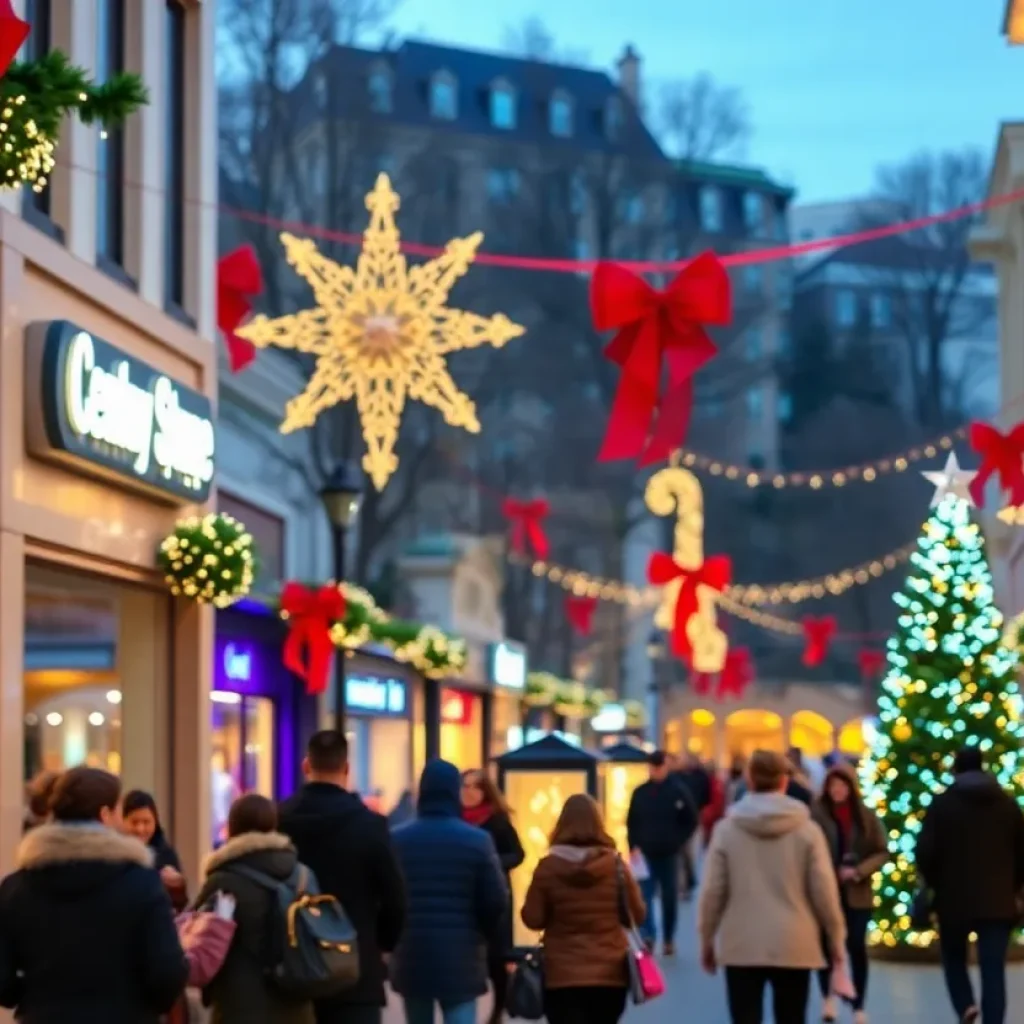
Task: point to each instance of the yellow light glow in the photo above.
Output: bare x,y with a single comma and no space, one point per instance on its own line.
619,782
1015,23
812,733
753,729
851,738
702,718
380,333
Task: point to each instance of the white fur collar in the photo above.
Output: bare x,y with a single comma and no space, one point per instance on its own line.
240,846
63,844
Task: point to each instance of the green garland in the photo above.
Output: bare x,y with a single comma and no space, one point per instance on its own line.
36,96
564,696
211,560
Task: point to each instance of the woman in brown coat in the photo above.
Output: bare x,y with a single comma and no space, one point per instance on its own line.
576,899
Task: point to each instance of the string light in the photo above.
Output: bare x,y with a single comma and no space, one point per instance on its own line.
27,153
211,560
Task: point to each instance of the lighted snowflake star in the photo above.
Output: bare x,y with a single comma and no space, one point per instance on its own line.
380,333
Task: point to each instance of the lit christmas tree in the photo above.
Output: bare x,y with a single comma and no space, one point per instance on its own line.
950,683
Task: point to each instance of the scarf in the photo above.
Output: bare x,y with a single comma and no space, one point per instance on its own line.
843,817
478,815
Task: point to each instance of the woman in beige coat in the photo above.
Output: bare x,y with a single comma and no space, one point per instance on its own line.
769,892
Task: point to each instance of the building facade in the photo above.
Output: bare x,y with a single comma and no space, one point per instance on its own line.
107,289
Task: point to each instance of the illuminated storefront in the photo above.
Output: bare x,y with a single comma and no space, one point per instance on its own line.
625,766
462,728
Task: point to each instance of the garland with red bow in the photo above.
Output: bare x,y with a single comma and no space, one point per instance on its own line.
580,613
526,522
239,282
1002,456
714,572
657,331
818,636
309,649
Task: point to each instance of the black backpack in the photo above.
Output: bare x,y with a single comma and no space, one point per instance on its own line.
314,948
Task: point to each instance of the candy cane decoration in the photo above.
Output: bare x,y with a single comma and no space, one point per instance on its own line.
677,490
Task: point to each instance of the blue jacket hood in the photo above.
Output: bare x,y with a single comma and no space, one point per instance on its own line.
440,791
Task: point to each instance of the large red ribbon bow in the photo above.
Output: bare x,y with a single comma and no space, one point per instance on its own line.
527,522
1001,454
656,327
714,572
580,613
870,661
239,281
308,648
13,32
818,634
737,673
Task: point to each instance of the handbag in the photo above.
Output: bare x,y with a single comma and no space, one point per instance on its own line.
525,996
645,978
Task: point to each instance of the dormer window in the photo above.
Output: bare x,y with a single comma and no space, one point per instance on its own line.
379,88
560,116
503,106
443,97
613,119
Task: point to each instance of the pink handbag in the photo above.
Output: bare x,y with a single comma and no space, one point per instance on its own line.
646,981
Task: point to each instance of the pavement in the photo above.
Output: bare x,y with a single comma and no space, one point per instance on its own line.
897,994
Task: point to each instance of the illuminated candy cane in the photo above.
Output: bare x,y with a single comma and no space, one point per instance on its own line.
677,490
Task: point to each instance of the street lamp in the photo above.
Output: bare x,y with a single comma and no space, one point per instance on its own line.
342,495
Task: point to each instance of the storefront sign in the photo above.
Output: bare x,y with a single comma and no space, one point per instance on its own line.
456,707
105,409
375,695
506,664
237,663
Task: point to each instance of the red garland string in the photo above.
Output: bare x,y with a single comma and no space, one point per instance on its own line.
526,520
870,661
580,613
818,636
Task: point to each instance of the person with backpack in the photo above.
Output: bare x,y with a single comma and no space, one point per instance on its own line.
242,991
348,847
458,902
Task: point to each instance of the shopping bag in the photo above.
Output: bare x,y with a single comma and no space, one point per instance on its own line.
645,977
638,865
525,996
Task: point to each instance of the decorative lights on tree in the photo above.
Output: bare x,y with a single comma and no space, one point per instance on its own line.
950,683
211,560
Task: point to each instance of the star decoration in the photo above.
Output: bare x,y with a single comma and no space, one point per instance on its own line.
951,480
380,332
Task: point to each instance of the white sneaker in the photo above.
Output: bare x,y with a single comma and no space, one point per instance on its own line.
829,1010
860,1017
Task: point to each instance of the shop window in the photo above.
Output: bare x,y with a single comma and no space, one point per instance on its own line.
174,152
268,532
503,106
110,154
380,751
462,729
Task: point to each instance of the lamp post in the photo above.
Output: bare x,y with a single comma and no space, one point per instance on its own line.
656,653
342,494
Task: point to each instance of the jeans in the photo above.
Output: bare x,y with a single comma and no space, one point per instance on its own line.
993,941
857,922
421,1011
594,1004
663,876
745,990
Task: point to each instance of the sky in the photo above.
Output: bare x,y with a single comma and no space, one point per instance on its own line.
835,87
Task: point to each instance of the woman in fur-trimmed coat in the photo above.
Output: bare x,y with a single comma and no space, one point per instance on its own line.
241,993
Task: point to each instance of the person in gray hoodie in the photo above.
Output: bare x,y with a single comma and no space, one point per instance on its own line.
769,892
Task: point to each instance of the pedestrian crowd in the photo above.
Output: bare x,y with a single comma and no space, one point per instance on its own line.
308,910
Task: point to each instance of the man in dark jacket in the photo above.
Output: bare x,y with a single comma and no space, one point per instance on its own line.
457,904
970,853
348,847
662,817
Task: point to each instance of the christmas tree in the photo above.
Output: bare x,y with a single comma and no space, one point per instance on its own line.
950,683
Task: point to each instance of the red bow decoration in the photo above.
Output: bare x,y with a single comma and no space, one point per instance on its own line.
13,32
655,328
870,661
737,673
580,613
715,572
1001,454
700,682
308,648
527,521
818,634
239,281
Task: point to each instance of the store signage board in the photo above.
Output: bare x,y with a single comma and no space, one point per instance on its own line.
236,663
375,695
116,416
506,665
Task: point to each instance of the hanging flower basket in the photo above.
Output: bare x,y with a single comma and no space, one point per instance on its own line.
211,560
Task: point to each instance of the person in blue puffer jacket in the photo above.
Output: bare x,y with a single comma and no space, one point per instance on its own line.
457,904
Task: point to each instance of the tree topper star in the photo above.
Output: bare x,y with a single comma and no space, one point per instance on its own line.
380,333
950,480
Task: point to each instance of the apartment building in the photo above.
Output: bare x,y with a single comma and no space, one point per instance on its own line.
108,288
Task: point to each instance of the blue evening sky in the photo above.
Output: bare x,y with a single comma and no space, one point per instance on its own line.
835,87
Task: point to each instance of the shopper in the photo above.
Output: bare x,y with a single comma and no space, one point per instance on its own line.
970,852
87,933
138,809
576,898
660,822
37,794
769,892
713,813
457,904
348,848
484,805
242,992
857,842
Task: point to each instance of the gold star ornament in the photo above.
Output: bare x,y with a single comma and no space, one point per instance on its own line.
380,333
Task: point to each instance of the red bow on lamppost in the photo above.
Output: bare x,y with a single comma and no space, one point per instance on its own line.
714,572
527,521
818,634
737,673
239,282
656,329
580,613
1002,455
870,661
13,32
308,648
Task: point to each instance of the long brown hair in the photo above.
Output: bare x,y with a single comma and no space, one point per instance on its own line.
849,776
581,824
493,797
